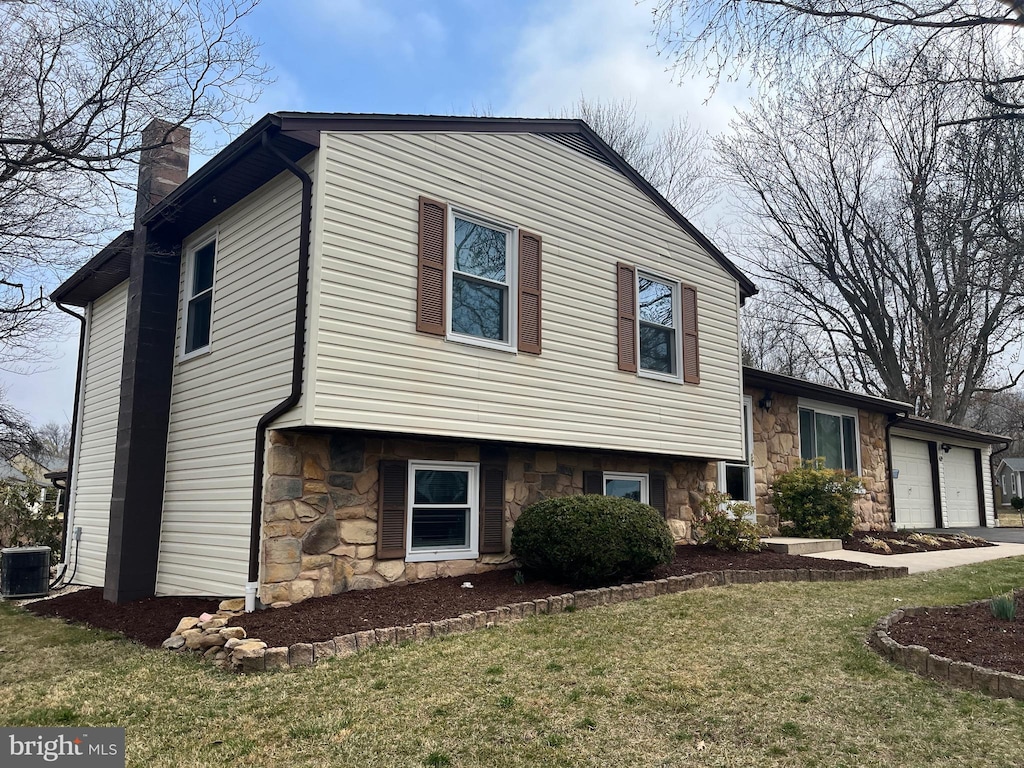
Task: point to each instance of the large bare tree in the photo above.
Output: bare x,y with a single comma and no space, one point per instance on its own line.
79,80
890,229
779,39
677,160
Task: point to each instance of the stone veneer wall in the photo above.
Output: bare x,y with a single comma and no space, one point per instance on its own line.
776,434
320,506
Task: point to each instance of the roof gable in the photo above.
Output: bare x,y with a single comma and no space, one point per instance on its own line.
263,151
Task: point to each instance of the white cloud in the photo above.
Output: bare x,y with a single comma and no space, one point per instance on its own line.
399,29
604,49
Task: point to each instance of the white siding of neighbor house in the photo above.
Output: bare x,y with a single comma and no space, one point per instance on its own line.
97,433
218,398
374,371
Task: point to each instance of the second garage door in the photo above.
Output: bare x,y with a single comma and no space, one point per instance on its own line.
960,484
912,483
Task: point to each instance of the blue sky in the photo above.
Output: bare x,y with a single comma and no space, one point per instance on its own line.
503,57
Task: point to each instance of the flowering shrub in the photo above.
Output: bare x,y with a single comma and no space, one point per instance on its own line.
815,501
722,523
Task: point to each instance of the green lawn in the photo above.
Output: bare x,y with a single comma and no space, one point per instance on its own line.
758,675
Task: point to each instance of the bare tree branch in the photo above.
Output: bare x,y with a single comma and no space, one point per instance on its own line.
889,232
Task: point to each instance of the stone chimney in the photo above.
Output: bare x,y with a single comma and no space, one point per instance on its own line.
163,169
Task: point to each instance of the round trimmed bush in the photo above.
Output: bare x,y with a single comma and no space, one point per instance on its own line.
591,539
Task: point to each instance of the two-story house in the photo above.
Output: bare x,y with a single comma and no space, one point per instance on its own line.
351,348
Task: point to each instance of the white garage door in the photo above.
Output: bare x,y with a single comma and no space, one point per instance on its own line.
960,482
915,499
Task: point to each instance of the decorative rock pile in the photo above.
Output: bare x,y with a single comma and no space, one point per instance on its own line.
209,634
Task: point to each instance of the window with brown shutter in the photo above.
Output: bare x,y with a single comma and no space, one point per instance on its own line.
593,482
626,277
691,345
529,293
391,503
479,279
430,285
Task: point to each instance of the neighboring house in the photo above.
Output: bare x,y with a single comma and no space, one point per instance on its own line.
916,473
22,468
349,350
1009,480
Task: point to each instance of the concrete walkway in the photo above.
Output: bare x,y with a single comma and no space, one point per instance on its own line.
919,562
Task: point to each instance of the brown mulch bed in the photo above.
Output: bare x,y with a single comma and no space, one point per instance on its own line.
150,621
967,633
900,542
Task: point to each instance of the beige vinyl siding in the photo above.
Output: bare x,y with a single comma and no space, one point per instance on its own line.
94,458
217,398
375,371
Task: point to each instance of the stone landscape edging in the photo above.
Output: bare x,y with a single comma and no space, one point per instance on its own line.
920,660
225,648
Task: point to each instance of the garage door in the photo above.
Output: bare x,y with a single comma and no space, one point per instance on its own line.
960,482
912,484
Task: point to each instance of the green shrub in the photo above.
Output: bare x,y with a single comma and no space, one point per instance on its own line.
818,502
1004,607
722,523
591,539
1017,503
26,520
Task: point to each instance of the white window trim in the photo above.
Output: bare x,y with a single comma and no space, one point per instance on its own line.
748,447
677,326
511,271
187,297
832,410
473,500
645,483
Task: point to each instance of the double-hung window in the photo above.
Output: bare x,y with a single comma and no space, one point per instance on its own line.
829,433
658,315
478,280
657,326
199,296
482,266
444,509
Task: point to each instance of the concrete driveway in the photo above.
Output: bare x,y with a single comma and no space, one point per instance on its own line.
1008,535
919,562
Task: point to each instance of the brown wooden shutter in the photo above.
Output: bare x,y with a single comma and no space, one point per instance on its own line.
593,482
657,491
626,276
492,508
529,293
391,511
433,243
691,344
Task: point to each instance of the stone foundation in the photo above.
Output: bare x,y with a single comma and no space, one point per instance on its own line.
320,506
